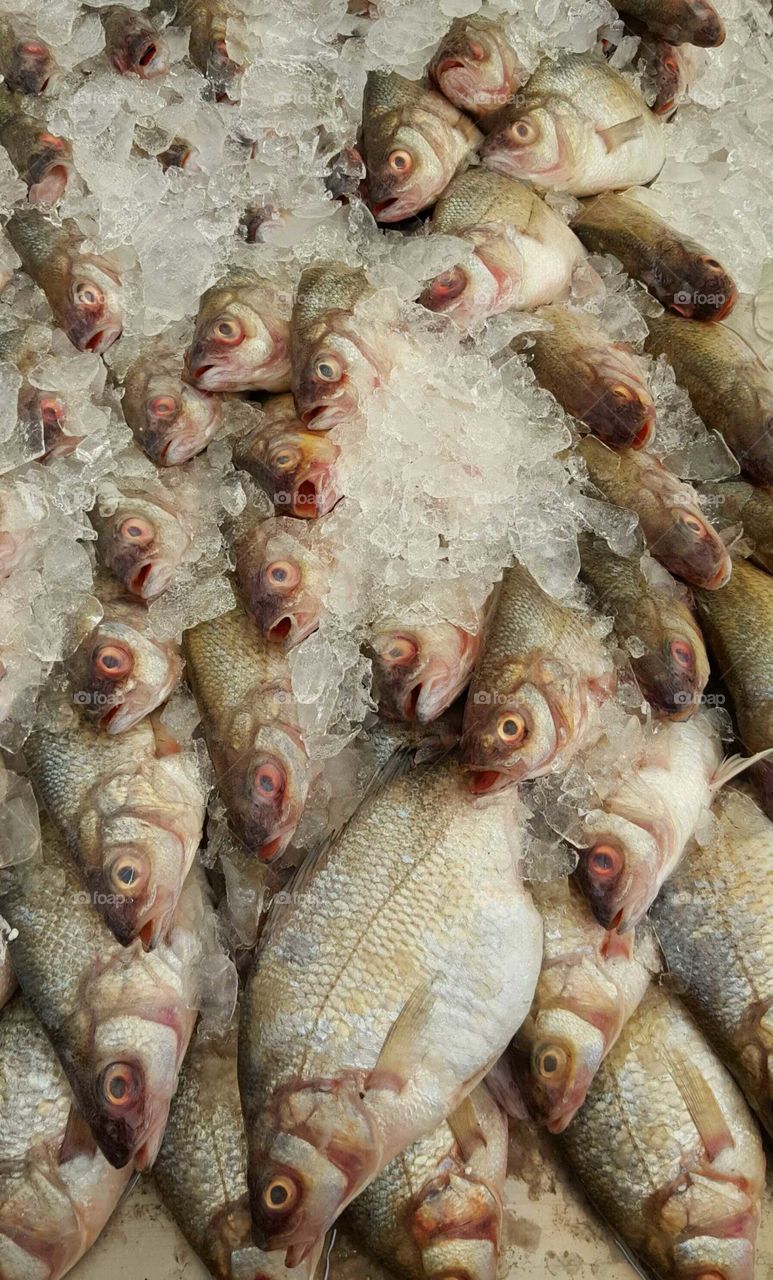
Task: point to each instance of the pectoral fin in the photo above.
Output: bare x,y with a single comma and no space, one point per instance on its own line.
617,134
700,1101
405,1040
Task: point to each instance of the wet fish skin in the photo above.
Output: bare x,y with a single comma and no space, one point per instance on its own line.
133,44
532,697
729,386
42,159
591,983
56,1189
334,364
242,686
132,815
674,527
738,625
297,467
577,126
679,272
525,255
636,837
419,670
201,1169
7,975
241,339
414,141
752,508
82,289
142,541
171,420
666,1149
594,378
335,1080
436,1210
26,62
678,21
674,669
284,578
118,1017
475,67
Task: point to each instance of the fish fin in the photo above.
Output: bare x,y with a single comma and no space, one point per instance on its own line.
617,134
403,1039
501,1084
731,766
78,1139
463,1123
701,1102
618,946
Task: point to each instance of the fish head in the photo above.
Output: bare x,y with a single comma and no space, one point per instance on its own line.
531,144
474,67
142,543
91,311
409,163
558,1053
468,293
30,66
137,887
136,48
300,468
49,165
223,72
45,413
455,1223
691,549
519,727
674,675
706,27
283,586
120,674
607,389
240,342
689,282
171,420
618,871
273,783
332,381
420,671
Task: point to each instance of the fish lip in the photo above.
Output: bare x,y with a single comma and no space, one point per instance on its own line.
147,68
720,578
103,338
150,579
486,782
51,187
323,417
307,507
394,207
178,450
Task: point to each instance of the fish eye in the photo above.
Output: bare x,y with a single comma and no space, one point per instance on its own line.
33,49
476,51
269,781
281,1195
51,140
137,532
329,369
712,264
623,392
605,861
512,729
283,575
112,661
398,651
52,409
127,873
286,459
525,132
683,654
671,64
400,162
88,295
228,331
693,523
163,406
121,1085
551,1062
449,284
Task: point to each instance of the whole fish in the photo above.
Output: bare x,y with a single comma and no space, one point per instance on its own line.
121,671
284,576
678,271
210,47
57,1191
675,529
678,21
594,378
242,686
730,388
719,902
42,414
591,983
26,62
524,254
533,694
738,625
42,159
420,669
82,289
666,1149
241,340
201,1169
133,44
578,126
141,539
436,1210
426,950
296,467
132,810
752,508
475,67
414,141
170,420
654,624
118,1017
334,363
634,840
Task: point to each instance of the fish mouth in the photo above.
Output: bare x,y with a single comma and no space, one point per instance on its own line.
324,416
150,579
291,628
179,450
112,721
51,187
306,501
273,848
394,209
485,782
152,60
102,339
721,576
